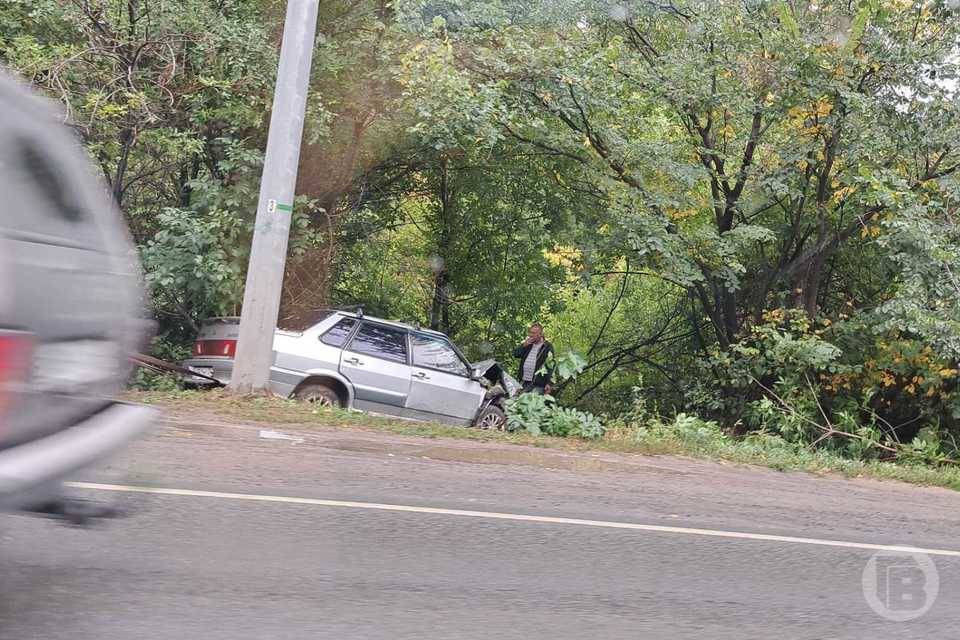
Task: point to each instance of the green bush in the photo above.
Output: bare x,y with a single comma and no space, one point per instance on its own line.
148,380
528,412
539,415
689,433
852,387
565,422
143,379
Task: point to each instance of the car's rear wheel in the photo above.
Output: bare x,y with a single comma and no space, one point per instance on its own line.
318,394
492,418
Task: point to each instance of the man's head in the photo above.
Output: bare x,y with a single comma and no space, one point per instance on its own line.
535,333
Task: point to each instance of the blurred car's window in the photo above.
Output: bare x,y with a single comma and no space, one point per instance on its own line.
380,341
48,181
437,353
337,335
44,196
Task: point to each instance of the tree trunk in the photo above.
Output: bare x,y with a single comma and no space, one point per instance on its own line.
731,320
806,290
127,138
440,307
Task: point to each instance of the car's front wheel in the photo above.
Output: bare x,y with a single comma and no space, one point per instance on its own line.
319,394
492,418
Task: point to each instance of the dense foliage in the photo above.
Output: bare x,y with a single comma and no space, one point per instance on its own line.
744,210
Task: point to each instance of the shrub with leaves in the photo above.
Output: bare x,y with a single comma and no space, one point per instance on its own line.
852,386
563,422
565,367
779,357
688,432
539,415
528,412
143,379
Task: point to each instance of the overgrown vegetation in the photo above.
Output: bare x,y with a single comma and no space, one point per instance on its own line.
746,210
539,414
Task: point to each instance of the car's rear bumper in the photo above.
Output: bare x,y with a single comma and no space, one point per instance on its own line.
31,473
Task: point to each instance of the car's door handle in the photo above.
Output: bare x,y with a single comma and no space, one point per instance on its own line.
354,361
420,375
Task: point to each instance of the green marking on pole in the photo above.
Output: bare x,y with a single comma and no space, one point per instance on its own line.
285,207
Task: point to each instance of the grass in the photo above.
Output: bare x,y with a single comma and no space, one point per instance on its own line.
272,410
686,436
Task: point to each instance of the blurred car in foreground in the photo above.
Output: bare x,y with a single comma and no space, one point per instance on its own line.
349,360
69,297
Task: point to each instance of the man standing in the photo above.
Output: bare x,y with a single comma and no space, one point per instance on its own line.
533,354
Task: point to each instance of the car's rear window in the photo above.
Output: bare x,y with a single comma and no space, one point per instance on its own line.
220,329
337,335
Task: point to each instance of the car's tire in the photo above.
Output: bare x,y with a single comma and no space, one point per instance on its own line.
319,394
491,418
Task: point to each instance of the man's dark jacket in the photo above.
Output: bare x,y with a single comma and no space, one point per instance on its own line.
539,379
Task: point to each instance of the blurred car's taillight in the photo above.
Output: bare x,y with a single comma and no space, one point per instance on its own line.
15,354
215,348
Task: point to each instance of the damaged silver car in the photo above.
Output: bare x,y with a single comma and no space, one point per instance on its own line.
354,361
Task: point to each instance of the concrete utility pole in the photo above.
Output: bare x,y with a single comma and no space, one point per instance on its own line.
268,254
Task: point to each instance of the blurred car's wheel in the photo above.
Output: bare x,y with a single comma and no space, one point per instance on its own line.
319,394
492,418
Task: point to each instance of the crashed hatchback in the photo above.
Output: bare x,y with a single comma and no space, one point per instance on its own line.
354,361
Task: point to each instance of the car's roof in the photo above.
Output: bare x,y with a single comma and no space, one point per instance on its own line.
392,323
340,312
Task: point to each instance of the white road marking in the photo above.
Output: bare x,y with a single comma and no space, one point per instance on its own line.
516,517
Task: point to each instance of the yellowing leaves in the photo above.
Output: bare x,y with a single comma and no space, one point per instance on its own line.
807,119
822,108
819,109
870,231
680,214
843,193
564,256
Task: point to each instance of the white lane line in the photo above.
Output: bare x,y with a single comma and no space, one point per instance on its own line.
517,517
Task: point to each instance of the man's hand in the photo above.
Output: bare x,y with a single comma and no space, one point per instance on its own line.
548,390
527,342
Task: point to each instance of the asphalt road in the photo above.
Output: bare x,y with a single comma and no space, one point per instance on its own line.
210,565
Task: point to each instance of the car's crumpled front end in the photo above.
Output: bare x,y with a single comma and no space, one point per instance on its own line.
495,378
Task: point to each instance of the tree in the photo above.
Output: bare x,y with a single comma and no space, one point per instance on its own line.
460,237
169,100
742,147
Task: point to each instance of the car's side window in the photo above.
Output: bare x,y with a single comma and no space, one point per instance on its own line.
48,181
381,341
336,336
44,198
436,353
